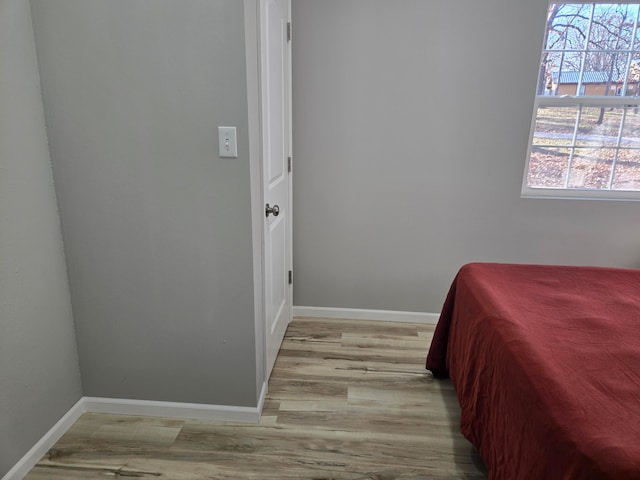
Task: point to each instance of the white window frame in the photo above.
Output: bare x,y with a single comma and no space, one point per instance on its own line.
577,101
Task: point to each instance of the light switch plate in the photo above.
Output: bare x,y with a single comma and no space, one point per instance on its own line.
228,144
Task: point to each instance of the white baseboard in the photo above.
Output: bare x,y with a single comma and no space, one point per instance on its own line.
144,408
33,456
182,411
359,314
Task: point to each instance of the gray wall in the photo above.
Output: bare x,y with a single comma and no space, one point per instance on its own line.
411,121
39,377
157,228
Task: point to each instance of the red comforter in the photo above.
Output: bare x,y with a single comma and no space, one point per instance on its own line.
546,364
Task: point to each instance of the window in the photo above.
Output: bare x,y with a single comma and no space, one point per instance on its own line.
585,134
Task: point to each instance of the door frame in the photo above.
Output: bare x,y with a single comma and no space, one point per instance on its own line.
254,102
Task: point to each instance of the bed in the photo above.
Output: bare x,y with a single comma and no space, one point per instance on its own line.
545,361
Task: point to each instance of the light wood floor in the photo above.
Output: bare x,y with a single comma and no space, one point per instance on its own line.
347,400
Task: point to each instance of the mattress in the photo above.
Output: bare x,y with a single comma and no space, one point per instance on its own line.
545,361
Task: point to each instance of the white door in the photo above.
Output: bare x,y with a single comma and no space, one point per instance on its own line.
276,147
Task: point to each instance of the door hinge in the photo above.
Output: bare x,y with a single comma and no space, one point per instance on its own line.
288,31
290,277
289,164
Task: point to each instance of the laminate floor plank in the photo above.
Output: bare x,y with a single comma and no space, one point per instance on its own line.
348,400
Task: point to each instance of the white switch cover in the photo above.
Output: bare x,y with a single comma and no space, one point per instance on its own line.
228,144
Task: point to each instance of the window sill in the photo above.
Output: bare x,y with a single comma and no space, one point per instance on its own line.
580,194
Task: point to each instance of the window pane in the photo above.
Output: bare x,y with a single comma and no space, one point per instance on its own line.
636,14
631,128
567,26
612,27
599,126
603,73
555,126
591,168
562,72
548,167
633,81
627,172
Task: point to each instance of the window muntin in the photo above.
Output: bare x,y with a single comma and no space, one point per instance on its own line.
585,134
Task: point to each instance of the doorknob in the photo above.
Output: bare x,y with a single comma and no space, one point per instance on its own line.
275,210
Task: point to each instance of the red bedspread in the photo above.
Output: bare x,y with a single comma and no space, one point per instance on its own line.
546,364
